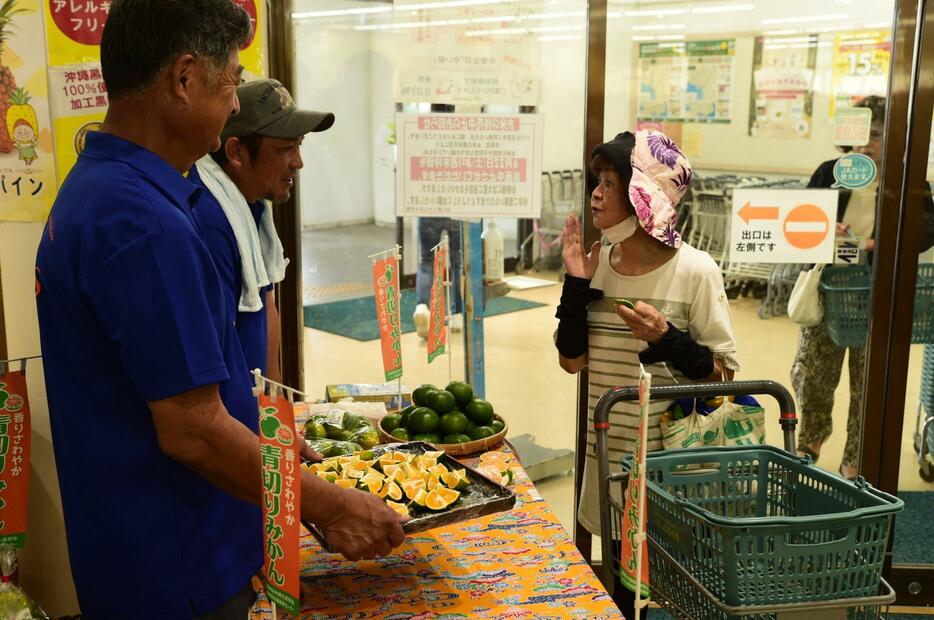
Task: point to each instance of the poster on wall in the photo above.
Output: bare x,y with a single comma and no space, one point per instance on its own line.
78,94
860,66
686,82
469,165
27,165
467,60
782,100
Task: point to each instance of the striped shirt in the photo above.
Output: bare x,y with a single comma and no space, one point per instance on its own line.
688,290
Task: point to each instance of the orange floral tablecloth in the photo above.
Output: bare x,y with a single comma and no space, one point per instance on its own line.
516,564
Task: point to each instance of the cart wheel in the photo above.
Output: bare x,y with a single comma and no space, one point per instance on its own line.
926,472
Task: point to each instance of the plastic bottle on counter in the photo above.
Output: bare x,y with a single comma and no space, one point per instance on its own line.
493,260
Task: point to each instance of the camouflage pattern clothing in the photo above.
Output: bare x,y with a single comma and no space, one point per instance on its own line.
815,375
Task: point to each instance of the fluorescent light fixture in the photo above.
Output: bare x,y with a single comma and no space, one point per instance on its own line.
644,38
670,37
341,12
791,40
564,37
538,30
659,27
803,19
675,45
410,25
778,33
655,12
723,8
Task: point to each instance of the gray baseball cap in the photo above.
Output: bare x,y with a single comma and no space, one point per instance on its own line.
267,109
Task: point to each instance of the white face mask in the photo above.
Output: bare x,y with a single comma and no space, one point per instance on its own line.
621,231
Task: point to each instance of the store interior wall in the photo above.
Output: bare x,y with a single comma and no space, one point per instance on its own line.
44,571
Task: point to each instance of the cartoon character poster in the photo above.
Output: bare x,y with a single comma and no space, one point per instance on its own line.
27,164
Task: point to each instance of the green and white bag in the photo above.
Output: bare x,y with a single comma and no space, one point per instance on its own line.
729,425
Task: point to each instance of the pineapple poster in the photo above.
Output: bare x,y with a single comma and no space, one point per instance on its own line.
27,165
79,96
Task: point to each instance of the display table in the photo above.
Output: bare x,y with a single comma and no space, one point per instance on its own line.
516,564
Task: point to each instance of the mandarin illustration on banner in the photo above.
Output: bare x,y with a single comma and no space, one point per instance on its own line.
27,168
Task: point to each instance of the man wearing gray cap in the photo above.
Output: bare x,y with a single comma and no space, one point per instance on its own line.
255,166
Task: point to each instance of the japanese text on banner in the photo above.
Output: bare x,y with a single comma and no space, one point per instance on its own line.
15,437
281,500
437,331
386,287
633,572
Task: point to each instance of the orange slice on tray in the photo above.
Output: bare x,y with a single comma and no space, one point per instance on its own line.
402,509
346,483
456,479
391,490
441,498
412,487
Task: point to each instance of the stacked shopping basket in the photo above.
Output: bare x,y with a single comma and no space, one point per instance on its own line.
752,533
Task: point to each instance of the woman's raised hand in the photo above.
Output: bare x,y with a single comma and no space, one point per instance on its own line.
577,262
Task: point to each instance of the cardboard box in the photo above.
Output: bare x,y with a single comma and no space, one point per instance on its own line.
387,393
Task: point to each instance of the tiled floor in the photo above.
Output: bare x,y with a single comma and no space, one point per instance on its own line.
525,383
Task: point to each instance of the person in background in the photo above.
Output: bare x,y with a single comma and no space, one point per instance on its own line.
256,165
679,326
818,361
429,235
153,418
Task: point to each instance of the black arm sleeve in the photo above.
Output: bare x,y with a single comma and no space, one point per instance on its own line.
927,220
677,348
571,339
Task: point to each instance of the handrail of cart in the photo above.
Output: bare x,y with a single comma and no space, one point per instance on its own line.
601,417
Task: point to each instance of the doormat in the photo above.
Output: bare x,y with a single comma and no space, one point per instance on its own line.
914,529
356,318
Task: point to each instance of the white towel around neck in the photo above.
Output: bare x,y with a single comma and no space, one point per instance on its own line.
262,259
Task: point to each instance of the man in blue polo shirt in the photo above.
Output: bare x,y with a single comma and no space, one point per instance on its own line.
259,158
153,420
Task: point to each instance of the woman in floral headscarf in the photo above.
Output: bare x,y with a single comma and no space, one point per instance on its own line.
679,327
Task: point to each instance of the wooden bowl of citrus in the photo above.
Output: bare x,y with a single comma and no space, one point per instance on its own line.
451,419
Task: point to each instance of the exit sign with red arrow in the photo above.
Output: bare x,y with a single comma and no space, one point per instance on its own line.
783,226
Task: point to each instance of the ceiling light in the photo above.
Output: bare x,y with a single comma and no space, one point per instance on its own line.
670,37
723,8
802,19
660,27
565,37
341,12
655,12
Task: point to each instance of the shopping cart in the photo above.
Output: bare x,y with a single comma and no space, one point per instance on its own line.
924,425
750,532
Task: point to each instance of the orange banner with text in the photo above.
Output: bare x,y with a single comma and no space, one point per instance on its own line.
15,435
279,453
386,287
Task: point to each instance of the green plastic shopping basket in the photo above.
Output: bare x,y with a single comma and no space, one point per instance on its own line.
759,526
845,296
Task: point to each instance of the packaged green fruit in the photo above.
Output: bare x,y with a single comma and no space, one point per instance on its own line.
314,429
453,423
423,420
339,434
367,437
354,422
480,411
481,432
419,394
441,401
401,434
462,392
345,448
427,437
497,425
391,422
456,438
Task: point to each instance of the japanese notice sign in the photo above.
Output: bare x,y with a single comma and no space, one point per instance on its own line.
634,552
854,171
15,436
783,226
852,126
471,61
386,286
78,94
686,82
279,455
782,98
437,330
469,165
860,66
27,168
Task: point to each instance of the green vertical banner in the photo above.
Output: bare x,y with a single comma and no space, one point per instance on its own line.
386,287
281,500
15,436
437,330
